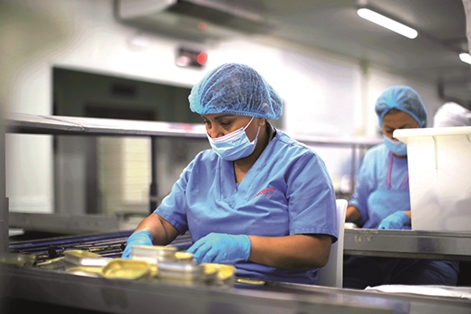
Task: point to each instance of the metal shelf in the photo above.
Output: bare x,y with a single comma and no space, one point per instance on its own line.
408,244
64,125
61,125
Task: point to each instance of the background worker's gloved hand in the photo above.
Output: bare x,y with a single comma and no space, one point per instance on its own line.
141,237
396,221
218,247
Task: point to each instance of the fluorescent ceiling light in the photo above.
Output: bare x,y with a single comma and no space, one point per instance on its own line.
388,23
465,57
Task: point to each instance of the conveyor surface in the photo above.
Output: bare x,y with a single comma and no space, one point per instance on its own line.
120,296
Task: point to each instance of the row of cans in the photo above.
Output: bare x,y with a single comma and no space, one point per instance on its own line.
154,263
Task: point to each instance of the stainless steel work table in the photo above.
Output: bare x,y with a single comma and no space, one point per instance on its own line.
439,245
122,296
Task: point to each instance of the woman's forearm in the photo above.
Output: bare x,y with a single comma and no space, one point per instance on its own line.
291,252
353,215
162,231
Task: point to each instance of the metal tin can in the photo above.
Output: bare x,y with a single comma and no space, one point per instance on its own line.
210,275
55,263
154,254
85,271
84,258
126,269
18,259
225,273
184,257
181,273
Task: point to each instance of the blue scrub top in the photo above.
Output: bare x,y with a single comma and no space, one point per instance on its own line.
374,197
287,191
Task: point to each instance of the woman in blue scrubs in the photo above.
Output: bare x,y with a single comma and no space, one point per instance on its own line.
257,199
382,200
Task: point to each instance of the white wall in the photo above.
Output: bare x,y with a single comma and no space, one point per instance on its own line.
324,95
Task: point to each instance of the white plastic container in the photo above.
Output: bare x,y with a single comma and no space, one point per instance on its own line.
439,162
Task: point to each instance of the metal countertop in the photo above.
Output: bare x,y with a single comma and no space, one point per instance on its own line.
438,245
122,296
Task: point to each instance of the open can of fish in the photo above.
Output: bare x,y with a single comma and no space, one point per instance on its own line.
184,257
128,269
84,258
18,259
85,271
55,263
225,274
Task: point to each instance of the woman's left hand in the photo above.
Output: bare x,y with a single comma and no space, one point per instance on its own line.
395,221
218,247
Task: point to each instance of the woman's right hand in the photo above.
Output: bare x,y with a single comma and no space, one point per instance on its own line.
138,238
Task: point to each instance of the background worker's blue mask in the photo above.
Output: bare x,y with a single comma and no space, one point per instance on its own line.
398,148
235,145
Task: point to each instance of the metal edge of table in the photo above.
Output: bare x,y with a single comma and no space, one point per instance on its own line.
121,296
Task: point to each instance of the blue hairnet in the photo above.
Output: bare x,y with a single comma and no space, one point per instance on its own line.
235,89
402,98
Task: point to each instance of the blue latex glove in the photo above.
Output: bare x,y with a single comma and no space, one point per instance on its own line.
141,237
218,247
395,221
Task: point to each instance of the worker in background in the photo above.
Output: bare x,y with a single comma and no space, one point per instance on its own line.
382,200
258,199
451,114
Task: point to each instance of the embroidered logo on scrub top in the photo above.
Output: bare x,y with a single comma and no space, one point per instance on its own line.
265,191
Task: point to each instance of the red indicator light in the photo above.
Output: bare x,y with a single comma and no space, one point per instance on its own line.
202,25
202,58
191,58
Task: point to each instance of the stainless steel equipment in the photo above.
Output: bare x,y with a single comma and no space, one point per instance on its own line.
123,296
59,288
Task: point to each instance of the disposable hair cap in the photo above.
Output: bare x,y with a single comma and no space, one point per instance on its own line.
452,114
235,89
402,98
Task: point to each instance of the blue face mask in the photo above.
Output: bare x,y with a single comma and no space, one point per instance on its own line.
235,145
398,148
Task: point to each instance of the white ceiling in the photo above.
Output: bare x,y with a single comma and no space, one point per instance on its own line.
334,26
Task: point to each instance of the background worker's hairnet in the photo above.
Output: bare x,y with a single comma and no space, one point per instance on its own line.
402,98
235,89
452,114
